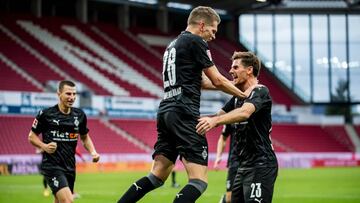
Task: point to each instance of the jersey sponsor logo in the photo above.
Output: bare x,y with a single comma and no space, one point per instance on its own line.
56,121
258,200
35,123
172,93
64,136
209,54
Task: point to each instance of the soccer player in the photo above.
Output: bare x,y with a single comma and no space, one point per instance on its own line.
60,126
187,66
255,178
232,163
174,184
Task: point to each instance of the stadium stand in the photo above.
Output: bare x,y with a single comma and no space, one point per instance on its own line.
14,131
24,59
307,138
144,130
107,141
140,50
11,78
14,128
357,128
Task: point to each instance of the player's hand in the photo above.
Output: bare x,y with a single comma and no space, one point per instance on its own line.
216,163
205,124
95,157
50,147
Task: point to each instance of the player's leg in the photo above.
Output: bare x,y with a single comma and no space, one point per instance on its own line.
64,195
229,184
193,150
197,184
163,163
46,192
237,193
174,184
160,170
259,185
61,186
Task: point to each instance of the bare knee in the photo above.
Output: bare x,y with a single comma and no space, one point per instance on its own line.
64,200
64,195
196,171
162,167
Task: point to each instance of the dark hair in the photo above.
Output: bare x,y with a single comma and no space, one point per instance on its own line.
248,59
207,14
65,82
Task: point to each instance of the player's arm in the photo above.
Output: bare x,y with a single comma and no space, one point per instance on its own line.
223,84
237,115
36,142
220,145
219,150
77,152
206,83
89,146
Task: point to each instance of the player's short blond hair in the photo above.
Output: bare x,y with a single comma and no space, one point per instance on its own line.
207,14
248,59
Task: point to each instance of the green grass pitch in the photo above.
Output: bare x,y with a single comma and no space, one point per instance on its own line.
330,185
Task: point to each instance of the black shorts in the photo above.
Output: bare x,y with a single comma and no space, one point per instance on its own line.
177,136
255,185
58,179
230,178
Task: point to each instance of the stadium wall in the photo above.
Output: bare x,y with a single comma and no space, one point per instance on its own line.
29,164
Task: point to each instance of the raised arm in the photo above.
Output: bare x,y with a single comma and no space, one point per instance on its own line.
223,84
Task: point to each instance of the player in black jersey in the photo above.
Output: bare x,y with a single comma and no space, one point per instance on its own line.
187,66
60,126
257,172
232,163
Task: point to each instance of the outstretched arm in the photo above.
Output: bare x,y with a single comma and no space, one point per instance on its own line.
223,84
237,115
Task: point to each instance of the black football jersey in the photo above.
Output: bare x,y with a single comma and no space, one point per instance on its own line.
183,62
254,148
64,129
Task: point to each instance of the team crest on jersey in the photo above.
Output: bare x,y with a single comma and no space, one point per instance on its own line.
56,182
35,123
204,153
76,122
209,54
